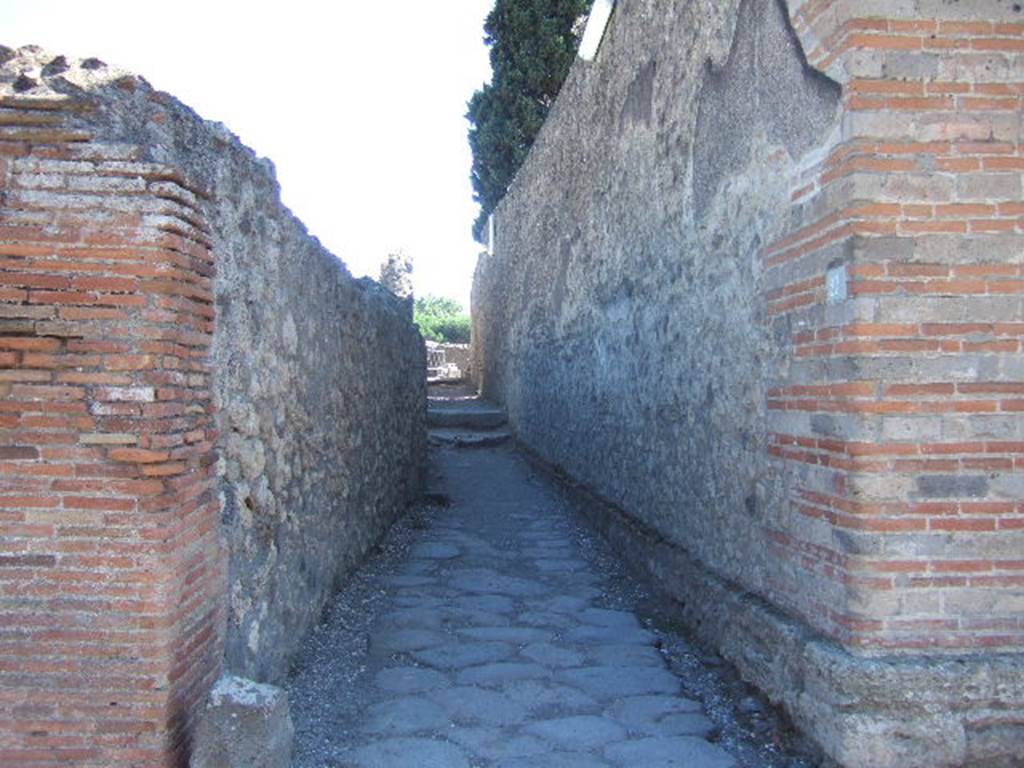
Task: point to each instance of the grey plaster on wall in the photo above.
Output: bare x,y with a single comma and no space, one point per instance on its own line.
621,317
623,322
766,84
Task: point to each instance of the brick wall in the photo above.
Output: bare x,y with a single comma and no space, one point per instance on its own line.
112,576
758,287
901,415
190,462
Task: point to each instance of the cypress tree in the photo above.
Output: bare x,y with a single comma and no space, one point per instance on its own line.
532,44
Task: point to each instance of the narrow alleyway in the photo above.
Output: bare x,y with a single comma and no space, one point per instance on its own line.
494,629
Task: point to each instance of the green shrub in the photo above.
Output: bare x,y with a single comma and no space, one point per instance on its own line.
442,320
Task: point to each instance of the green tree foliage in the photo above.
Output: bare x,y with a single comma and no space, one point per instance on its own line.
440,319
532,45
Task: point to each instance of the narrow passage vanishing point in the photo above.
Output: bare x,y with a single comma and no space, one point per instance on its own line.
496,636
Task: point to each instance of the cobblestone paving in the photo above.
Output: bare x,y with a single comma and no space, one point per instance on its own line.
486,635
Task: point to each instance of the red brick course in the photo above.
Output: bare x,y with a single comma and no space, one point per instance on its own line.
919,201
112,576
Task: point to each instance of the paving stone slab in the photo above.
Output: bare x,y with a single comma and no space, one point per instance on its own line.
507,634
457,655
596,634
551,655
556,760
546,619
491,743
578,732
674,752
615,682
563,565
435,550
469,617
489,582
419,568
411,581
434,592
405,716
410,679
636,711
404,640
491,603
409,753
417,602
472,705
419,617
629,654
490,675
545,699
541,551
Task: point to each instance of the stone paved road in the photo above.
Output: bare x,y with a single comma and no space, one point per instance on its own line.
483,637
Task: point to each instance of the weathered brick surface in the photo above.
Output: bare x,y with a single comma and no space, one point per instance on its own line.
112,576
918,201
657,317
122,554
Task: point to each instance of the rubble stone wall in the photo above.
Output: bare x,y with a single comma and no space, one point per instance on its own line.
205,420
759,287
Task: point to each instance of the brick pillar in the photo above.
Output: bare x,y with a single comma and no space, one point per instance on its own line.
112,574
900,416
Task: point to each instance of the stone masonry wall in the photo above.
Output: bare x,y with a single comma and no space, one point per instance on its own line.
205,420
759,287
319,383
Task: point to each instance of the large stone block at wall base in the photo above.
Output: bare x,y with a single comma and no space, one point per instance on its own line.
243,725
759,285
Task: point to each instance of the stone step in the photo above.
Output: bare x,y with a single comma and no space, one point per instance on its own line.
468,417
460,438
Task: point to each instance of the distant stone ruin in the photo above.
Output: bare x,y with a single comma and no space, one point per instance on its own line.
207,421
759,287
448,362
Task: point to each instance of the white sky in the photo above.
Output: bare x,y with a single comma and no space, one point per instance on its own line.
360,105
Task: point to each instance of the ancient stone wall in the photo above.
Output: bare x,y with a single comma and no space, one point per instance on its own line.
759,287
319,383
206,421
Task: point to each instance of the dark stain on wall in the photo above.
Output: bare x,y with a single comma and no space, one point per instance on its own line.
639,104
766,82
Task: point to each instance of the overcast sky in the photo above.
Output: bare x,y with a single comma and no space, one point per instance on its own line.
360,105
